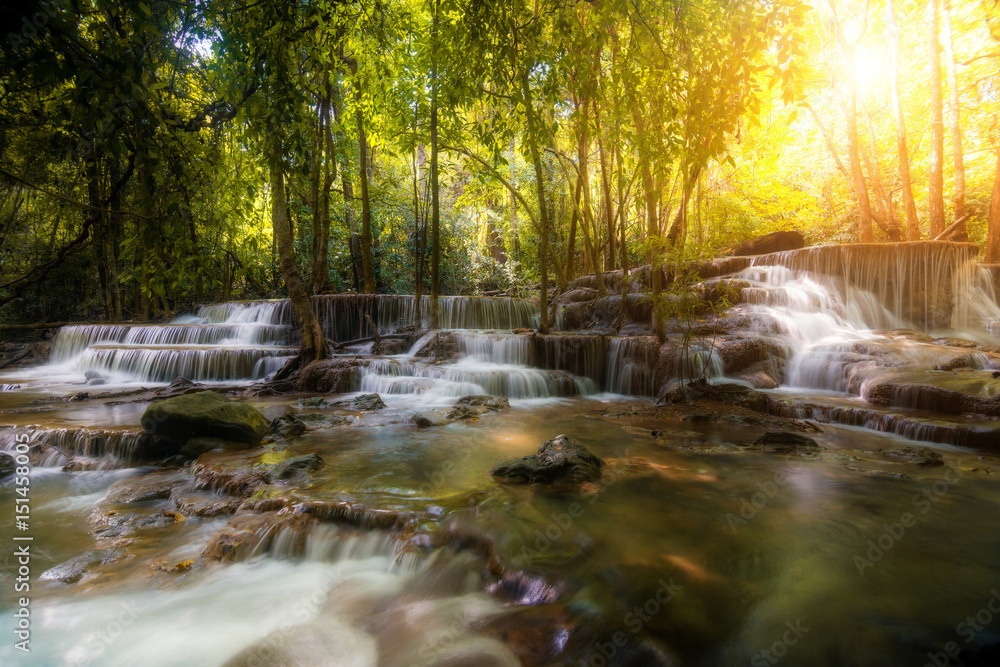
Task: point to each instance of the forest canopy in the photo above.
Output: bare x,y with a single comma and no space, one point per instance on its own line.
155,155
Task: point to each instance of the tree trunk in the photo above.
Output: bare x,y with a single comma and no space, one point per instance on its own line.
865,232
320,280
435,185
589,234
956,129
313,340
993,223
912,222
571,242
366,211
543,212
936,194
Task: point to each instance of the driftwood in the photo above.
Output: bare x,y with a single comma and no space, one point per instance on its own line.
951,229
370,339
40,325
17,357
762,245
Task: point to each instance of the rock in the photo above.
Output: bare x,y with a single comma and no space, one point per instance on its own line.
783,442
462,412
297,465
7,465
560,460
332,376
421,421
369,402
73,570
491,403
311,402
287,426
156,486
94,378
577,295
773,242
921,456
113,524
314,420
204,504
759,380
204,413
195,447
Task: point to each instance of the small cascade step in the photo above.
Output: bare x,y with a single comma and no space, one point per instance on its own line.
198,363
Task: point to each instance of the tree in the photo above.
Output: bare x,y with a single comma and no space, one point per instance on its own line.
936,187
903,153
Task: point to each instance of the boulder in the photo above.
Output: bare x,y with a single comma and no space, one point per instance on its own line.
561,460
369,402
204,413
334,376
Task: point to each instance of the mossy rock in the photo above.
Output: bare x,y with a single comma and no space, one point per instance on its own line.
204,414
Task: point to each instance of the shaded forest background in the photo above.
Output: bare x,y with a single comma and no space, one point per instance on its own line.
154,155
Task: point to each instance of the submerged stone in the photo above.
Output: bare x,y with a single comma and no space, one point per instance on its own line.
311,402
195,447
561,459
204,414
369,402
73,570
492,403
6,465
420,420
287,426
781,442
305,464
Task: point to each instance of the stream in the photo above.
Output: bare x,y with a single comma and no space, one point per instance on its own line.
695,547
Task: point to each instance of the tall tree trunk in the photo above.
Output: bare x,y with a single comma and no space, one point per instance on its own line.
417,278
347,187
956,129
589,234
865,232
993,223
435,185
571,242
313,341
912,222
543,211
366,211
319,282
936,194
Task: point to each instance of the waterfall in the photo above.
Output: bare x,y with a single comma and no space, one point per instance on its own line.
631,366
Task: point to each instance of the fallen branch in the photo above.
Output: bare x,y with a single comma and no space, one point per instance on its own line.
40,325
952,228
